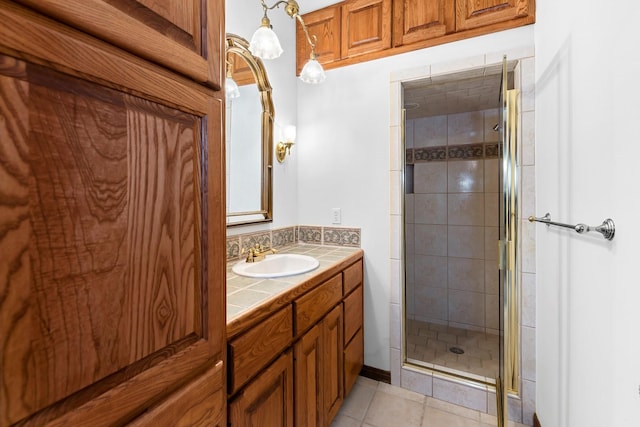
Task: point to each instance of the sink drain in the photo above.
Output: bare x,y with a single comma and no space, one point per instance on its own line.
456,350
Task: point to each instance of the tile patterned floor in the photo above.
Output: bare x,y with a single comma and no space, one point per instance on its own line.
375,404
430,343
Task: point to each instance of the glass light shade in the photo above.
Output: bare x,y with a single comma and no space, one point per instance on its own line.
312,72
265,44
231,88
289,133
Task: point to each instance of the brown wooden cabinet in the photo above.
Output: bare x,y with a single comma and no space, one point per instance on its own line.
372,29
183,35
479,13
318,372
112,206
353,345
268,399
366,27
418,20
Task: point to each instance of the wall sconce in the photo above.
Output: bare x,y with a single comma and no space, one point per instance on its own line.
265,44
284,148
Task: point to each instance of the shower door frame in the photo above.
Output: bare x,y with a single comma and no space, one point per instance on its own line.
422,379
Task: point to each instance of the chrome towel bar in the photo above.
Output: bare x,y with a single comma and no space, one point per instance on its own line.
607,228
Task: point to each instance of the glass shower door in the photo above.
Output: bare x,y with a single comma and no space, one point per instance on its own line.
508,378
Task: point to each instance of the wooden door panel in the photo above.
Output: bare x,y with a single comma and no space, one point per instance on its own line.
325,25
417,20
199,403
180,34
102,256
478,13
308,373
366,26
332,360
268,400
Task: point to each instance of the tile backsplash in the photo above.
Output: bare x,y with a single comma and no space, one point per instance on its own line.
280,237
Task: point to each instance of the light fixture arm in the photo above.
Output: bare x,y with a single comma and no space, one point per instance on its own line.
292,9
306,33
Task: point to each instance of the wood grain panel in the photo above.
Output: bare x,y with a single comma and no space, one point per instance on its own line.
353,360
478,13
255,349
198,403
325,25
103,256
268,399
366,26
352,276
308,377
353,314
417,20
169,32
333,392
312,307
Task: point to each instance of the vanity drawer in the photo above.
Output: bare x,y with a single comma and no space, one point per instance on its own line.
352,314
352,277
251,352
311,307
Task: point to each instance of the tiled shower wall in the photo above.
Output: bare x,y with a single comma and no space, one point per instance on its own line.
451,219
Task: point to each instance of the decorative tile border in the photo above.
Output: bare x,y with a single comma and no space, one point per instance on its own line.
452,152
280,237
341,236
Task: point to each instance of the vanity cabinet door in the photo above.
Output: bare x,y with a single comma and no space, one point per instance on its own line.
325,25
481,13
366,27
112,211
418,20
309,379
268,399
183,35
332,363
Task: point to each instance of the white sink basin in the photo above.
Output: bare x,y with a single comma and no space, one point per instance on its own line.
277,265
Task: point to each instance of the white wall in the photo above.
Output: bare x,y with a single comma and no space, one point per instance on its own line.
587,152
343,157
243,18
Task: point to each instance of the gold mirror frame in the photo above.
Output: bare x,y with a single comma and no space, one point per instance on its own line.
239,46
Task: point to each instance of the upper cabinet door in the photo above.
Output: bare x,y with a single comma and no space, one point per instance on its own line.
183,35
366,27
418,20
324,24
479,13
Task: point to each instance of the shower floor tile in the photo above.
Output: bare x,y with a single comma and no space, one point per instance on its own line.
433,345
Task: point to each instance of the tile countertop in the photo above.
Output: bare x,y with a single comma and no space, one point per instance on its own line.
250,300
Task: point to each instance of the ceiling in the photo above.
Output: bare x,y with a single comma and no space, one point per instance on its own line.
473,90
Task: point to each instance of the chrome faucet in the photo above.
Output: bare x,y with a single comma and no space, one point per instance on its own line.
258,252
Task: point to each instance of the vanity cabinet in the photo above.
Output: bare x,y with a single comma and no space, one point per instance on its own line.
182,35
319,328
113,242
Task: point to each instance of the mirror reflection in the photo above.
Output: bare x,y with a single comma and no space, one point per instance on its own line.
249,130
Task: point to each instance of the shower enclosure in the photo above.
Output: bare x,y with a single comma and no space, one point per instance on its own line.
460,222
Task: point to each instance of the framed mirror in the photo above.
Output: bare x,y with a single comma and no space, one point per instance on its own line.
249,137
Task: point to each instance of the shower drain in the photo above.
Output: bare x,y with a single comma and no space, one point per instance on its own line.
456,350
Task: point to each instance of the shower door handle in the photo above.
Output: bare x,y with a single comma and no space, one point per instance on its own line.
506,255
